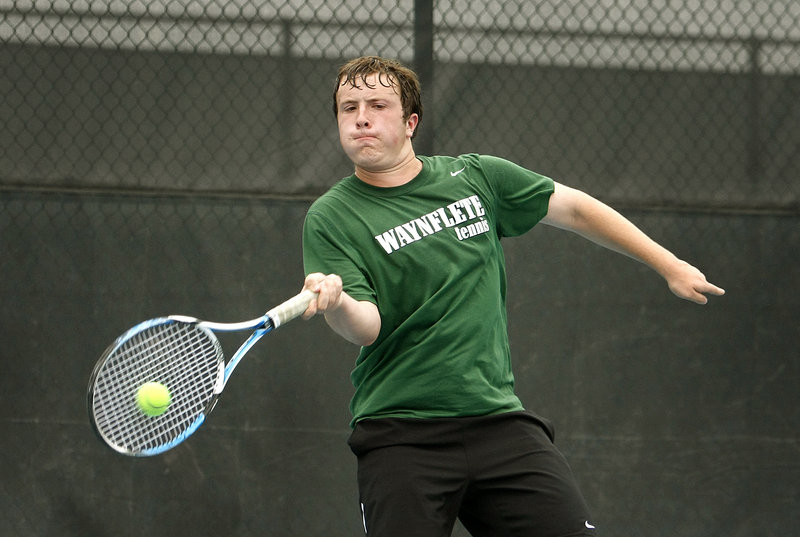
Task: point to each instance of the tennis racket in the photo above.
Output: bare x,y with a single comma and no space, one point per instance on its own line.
182,354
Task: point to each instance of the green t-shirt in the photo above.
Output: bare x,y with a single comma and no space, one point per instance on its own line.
428,254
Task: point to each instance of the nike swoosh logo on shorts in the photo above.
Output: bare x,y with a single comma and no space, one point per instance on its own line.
453,174
589,525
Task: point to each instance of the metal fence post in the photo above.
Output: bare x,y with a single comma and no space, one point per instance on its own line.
423,65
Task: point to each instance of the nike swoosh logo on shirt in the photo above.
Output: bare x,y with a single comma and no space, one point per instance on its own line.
453,174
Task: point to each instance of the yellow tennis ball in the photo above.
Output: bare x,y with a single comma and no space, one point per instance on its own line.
153,398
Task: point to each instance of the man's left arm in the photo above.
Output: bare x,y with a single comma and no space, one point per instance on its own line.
579,212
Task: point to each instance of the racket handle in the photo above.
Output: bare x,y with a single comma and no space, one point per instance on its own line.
291,309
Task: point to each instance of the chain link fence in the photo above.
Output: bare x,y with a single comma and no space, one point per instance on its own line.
646,103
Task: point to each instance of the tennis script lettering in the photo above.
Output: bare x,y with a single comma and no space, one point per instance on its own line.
463,211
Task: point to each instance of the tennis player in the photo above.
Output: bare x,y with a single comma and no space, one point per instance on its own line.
406,257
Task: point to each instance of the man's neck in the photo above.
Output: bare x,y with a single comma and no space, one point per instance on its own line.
399,175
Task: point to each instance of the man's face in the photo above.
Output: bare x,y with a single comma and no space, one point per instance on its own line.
372,130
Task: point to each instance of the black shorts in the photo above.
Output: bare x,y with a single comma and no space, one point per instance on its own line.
499,475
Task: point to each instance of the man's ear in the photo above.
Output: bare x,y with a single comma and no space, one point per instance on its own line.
411,125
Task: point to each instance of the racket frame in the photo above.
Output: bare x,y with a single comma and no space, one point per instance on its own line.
261,326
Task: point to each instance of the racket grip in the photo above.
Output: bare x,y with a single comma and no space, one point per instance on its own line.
291,309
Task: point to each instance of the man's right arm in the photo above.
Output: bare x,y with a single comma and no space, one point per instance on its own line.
358,321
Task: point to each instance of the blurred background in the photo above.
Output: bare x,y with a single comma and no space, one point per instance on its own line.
158,157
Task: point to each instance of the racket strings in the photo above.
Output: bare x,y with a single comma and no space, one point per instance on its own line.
183,357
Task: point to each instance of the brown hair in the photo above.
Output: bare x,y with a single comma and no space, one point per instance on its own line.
390,73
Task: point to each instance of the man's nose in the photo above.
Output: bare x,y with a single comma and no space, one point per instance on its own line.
362,120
